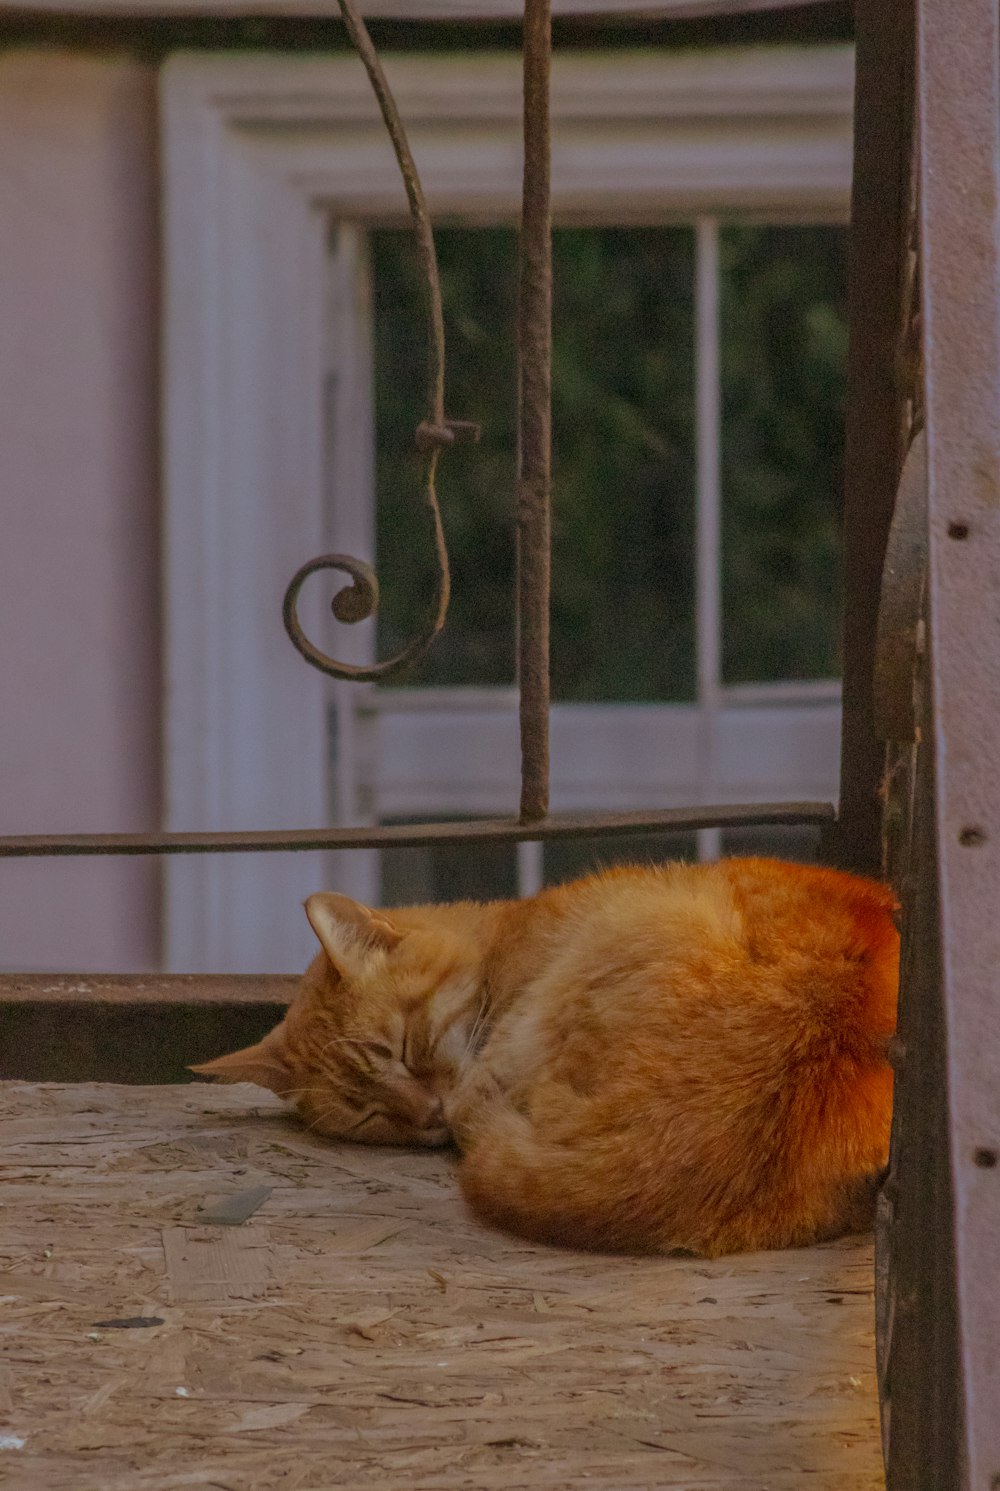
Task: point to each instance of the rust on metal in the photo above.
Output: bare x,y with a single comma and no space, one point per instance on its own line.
916,1348
422,835
534,483
434,433
910,346
427,436
900,622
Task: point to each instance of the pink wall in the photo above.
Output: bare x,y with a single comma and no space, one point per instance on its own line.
79,648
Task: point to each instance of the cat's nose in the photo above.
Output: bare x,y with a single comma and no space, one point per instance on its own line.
432,1116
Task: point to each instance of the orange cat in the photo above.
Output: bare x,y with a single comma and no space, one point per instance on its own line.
677,1056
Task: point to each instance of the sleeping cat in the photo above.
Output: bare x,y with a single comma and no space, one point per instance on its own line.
649,1059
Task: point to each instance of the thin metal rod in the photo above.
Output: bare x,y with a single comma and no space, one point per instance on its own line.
535,416
418,835
357,31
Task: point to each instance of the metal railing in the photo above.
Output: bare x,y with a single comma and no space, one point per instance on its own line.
359,600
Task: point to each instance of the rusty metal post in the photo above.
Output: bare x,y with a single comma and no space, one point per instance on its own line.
872,458
939,1211
958,86
535,418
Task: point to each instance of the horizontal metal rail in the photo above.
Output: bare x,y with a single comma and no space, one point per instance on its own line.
420,835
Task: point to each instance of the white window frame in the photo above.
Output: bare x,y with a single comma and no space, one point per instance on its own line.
261,154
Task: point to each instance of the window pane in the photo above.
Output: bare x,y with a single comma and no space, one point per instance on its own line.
784,341
623,413
476,485
448,872
622,614
565,859
799,842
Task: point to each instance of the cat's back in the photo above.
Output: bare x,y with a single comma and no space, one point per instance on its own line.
747,929
766,906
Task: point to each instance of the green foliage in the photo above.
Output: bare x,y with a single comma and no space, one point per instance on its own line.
623,456
784,344
622,551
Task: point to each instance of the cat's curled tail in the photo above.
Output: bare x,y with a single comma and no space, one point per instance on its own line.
620,1194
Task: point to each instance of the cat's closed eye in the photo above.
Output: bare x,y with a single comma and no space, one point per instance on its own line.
373,1052
378,1049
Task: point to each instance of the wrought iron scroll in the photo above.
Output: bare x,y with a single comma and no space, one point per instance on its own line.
359,600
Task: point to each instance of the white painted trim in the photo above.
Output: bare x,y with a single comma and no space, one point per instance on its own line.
349,398
260,154
637,137
622,757
530,868
244,506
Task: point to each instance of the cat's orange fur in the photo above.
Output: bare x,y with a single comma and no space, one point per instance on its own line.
682,1056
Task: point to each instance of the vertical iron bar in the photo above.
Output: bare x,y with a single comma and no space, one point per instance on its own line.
535,417
872,456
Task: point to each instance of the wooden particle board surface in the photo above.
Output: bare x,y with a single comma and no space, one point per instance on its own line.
360,1330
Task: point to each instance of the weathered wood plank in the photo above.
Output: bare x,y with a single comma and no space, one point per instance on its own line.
121,1028
361,1330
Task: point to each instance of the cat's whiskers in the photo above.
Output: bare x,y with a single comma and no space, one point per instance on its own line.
321,1118
344,1132
482,1015
294,1093
338,1040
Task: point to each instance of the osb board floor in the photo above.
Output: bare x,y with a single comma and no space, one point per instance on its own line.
361,1331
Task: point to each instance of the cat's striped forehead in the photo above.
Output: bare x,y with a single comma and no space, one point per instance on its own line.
414,997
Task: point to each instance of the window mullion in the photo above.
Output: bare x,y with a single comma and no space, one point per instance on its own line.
708,510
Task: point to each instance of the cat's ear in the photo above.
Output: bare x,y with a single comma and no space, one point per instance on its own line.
348,932
266,1064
